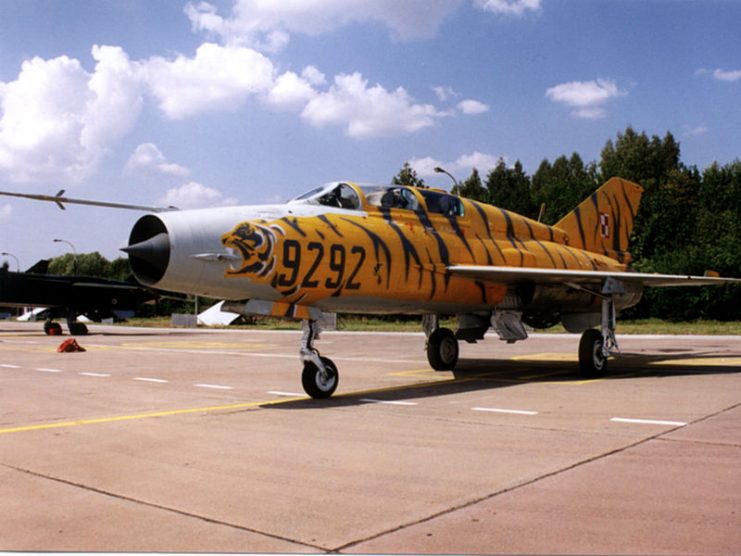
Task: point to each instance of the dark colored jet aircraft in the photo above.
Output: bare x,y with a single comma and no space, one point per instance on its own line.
68,297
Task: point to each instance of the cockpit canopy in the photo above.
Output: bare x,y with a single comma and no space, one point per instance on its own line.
346,196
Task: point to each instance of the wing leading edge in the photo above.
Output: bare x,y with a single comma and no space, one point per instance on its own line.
516,275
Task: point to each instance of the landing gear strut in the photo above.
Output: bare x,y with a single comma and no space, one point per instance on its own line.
596,346
320,376
442,345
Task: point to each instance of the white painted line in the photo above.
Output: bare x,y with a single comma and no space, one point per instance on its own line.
45,370
7,366
285,394
214,386
648,422
94,374
145,379
510,411
386,402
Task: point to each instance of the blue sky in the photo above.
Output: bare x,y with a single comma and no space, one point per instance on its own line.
248,101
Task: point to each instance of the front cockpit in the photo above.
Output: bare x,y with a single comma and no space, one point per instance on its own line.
335,194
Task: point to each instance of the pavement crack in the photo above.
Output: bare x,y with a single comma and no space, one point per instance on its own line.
529,482
160,507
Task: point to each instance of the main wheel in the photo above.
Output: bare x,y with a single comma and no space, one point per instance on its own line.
592,361
315,384
442,350
52,328
77,328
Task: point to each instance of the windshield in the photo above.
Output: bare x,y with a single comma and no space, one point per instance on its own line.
340,195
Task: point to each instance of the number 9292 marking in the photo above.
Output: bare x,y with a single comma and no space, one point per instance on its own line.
332,276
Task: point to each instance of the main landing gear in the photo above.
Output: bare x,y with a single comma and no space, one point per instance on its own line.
52,328
596,346
442,345
320,376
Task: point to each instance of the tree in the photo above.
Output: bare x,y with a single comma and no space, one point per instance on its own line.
472,188
509,188
407,176
563,185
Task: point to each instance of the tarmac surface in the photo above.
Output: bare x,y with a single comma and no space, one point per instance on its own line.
202,441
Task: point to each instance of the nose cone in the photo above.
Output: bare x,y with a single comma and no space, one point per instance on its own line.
148,250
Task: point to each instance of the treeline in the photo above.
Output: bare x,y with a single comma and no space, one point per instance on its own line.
689,221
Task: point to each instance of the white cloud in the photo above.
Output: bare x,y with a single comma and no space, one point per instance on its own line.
508,7
464,164
696,131
5,212
267,25
481,161
587,97
57,121
368,111
148,159
445,93
727,75
195,195
290,92
313,76
472,107
216,78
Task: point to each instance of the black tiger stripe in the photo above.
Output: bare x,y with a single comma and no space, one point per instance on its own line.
458,232
577,213
489,260
547,252
293,225
616,235
332,227
484,218
511,235
441,245
377,243
433,280
408,246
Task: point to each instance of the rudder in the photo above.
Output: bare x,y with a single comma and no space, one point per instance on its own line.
603,222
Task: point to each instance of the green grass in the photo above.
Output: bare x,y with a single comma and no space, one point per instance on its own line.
410,324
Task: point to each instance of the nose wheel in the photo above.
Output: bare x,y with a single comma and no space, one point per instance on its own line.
320,384
320,376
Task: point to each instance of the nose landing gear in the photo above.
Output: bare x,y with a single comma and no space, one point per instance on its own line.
320,376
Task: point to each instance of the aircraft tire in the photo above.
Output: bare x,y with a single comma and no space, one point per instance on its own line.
591,361
77,328
442,350
52,328
313,383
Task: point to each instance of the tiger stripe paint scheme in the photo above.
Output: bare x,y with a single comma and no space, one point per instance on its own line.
401,257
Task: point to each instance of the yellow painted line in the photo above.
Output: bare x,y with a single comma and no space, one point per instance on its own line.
96,421
190,344
546,357
420,372
210,409
702,362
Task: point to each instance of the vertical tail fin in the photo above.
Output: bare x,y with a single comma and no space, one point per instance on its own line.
602,223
